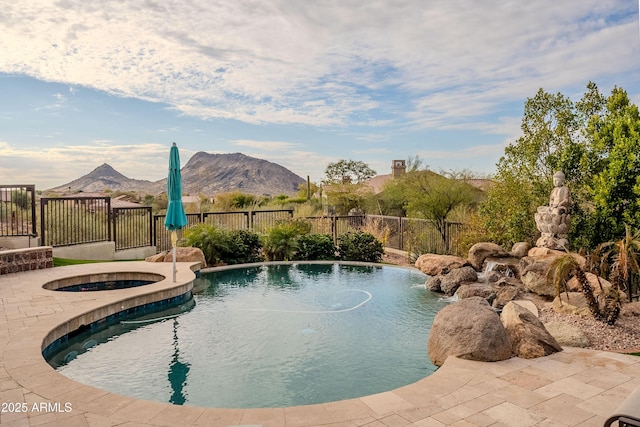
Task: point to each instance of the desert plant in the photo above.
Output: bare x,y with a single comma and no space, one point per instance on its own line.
618,260
561,269
315,247
360,246
377,227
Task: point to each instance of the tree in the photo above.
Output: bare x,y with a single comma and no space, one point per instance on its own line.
549,142
595,143
615,187
355,171
345,197
433,196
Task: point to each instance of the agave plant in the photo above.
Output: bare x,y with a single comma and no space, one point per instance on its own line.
622,257
559,272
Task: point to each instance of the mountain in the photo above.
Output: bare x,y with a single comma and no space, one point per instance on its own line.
215,173
204,173
104,177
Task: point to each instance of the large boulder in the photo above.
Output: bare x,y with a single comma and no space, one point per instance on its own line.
469,329
432,264
571,303
183,254
520,249
468,290
533,273
505,295
527,333
450,282
567,334
480,251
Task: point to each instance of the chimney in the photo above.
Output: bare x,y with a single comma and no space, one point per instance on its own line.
398,168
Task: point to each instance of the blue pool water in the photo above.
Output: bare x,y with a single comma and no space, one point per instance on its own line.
270,336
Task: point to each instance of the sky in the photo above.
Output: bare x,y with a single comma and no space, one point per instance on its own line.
298,83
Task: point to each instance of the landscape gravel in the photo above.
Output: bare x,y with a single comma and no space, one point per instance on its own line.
623,336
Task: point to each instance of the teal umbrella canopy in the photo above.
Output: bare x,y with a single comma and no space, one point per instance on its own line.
176,218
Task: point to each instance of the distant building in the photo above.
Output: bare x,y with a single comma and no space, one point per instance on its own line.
398,168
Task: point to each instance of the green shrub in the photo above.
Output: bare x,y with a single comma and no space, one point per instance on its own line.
315,247
222,246
281,241
243,247
360,246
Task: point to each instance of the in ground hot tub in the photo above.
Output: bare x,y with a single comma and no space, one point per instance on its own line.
103,281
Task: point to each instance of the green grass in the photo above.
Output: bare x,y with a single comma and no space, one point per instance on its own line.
60,262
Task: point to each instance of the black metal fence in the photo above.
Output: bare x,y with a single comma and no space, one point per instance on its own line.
132,227
66,221
241,220
17,210
335,226
75,220
416,235
162,236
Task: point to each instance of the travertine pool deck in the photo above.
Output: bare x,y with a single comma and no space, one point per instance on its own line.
573,387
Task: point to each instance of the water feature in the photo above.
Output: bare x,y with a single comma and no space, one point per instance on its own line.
272,336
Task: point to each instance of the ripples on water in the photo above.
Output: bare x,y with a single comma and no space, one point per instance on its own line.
272,336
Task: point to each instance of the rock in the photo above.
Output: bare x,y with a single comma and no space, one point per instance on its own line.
541,252
529,305
480,251
567,335
506,266
468,290
505,295
432,264
450,282
183,254
571,303
511,281
469,329
631,309
433,283
533,273
598,284
520,249
489,276
528,336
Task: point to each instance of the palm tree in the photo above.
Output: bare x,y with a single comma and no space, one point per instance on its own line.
566,266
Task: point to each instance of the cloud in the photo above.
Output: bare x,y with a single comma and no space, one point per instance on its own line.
266,145
330,63
52,166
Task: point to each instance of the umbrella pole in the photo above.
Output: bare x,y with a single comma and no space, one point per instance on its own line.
174,242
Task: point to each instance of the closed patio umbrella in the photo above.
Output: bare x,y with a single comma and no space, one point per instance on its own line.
176,218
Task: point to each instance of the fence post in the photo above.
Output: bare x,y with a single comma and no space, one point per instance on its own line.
113,218
151,222
43,203
334,229
109,218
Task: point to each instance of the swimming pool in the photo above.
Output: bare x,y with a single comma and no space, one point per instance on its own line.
273,336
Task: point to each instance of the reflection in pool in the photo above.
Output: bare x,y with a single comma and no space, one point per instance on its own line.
273,336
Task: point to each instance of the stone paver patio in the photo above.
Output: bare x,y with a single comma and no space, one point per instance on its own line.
574,387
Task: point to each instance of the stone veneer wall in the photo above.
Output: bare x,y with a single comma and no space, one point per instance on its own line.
17,260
